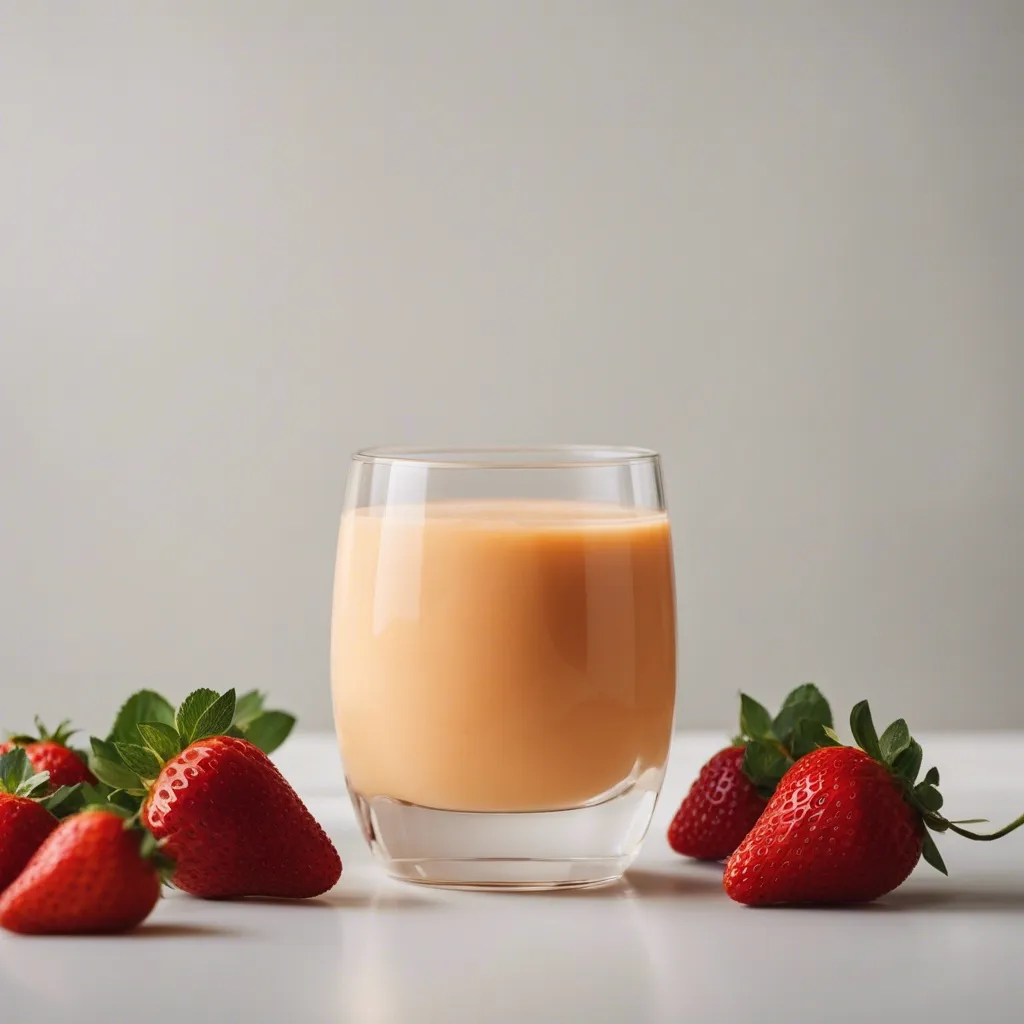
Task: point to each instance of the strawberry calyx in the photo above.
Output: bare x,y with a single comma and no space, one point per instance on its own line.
902,755
60,736
773,745
152,849
132,759
148,732
19,778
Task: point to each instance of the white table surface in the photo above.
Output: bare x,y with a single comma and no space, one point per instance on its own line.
666,945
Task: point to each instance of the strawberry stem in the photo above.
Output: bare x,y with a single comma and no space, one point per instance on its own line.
978,837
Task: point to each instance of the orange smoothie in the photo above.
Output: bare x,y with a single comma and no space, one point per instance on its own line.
502,655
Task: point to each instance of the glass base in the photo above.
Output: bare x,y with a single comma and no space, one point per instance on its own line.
579,847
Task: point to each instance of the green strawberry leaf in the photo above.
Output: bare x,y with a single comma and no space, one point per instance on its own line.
140,760
94,794
216,719
894,740
931,854
64,801
193,707
152,849
248,707
755,722
15,770
806,702
108,766
60,735
35,785
18,777
162,739
765,764
928,796
122,813
269,730
127,799
148,844
809,736
144,706
863,729
812,700
105,750
932,776
908,763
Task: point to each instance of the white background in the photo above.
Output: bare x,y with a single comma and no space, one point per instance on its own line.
781,243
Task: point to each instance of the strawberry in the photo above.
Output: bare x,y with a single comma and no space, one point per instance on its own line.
732,789
846,825
24,824
719,810
236,825
97,872
227,815
24,821
49,752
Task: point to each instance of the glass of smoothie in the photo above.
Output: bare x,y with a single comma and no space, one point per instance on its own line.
503,660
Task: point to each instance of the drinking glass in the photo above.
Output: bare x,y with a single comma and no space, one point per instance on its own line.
503,660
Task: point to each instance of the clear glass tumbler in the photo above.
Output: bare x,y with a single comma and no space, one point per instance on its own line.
503,660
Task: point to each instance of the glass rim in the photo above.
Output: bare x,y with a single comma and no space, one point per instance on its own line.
534,456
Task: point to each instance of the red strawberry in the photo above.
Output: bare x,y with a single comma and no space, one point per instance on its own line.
236,827
229,818
837,830
719,810
94,874
24,822
733,787
845,825
49,752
